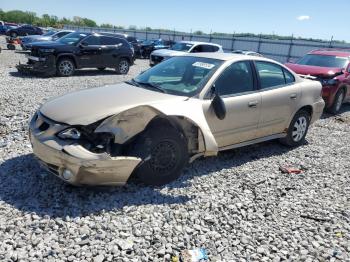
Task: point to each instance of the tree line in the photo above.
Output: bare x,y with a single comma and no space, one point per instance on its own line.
46,20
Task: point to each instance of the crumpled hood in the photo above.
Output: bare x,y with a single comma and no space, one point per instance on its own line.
167,52
326,72
90,105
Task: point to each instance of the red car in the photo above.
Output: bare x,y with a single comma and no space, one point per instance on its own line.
331,67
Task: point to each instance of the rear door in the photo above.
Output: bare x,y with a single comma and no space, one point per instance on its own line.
280,95
237,87
111,49
89,54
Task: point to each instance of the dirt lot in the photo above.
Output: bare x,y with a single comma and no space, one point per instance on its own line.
238,206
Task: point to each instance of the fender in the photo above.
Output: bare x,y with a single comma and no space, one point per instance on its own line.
70,55
131,122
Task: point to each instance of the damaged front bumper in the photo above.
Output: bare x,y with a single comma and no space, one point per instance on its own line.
73,163
39,65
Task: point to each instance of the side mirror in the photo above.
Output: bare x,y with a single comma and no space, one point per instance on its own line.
218,105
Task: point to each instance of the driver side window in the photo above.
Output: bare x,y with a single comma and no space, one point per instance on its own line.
236,79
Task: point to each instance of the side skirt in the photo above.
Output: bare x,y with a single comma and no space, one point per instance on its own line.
246,143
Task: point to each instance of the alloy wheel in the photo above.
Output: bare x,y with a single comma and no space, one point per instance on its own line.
66,68
123,67
299,130
339,101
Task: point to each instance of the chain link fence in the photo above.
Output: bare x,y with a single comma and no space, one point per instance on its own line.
282,50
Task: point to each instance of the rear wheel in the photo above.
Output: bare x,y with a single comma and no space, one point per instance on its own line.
123,66
297,129
338,101
14,34
65,67
163,152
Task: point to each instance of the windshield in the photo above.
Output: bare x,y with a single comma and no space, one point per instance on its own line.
323,61
72,38
181,47
184,76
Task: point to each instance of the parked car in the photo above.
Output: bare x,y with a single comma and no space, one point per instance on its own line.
24,30
28,41
183,108
181,48
79,50
246,52
331,67
6,26
148,46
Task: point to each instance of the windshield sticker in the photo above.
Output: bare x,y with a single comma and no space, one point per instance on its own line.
203,65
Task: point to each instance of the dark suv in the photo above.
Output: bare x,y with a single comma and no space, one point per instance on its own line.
24,30
79,50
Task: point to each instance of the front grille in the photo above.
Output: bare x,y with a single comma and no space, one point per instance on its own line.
156,59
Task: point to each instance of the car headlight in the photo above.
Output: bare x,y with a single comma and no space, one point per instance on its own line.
47,50
330,82
70,133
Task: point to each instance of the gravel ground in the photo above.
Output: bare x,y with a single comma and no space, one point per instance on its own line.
238,206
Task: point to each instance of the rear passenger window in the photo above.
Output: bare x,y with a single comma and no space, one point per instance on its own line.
270,74
207,48
288,76
215,48
105,40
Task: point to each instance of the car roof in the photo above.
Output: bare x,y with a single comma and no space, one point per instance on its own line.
198,43
332,52
229,56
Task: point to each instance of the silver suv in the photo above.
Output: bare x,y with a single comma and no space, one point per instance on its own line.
181,48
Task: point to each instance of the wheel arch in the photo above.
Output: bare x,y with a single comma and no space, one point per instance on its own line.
128,124
68,55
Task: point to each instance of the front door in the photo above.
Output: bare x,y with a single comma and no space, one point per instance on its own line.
237,87
89,54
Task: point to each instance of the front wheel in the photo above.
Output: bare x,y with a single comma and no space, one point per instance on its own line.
65,67
297,129
164,154
101,68
338,101
14,34
123,66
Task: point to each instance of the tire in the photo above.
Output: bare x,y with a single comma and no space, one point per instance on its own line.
337,103
297,129
163,152
65,67
123,66
101,68
13,34
11,47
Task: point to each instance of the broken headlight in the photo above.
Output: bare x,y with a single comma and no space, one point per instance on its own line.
70,133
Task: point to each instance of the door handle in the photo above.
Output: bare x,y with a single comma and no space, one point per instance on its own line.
293,96
253,104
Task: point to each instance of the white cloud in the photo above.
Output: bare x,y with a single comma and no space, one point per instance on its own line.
303,17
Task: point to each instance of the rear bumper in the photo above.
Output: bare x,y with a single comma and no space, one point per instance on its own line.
87,168
317,109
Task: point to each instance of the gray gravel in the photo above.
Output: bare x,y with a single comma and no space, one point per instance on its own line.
238,206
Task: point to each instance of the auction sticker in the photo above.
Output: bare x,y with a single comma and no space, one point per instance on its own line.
203,65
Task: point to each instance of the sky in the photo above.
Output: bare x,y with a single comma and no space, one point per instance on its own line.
306,18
